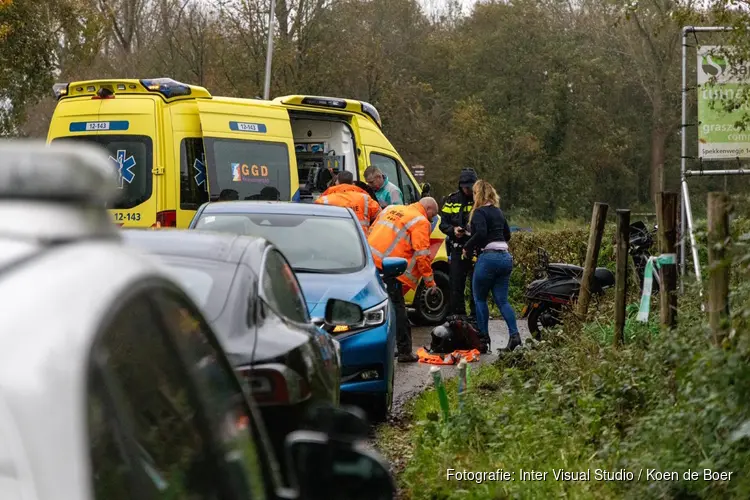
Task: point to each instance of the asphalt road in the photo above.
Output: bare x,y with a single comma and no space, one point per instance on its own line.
412,378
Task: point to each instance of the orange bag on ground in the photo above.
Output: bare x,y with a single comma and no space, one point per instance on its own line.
447,359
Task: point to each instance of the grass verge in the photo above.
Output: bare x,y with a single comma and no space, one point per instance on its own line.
667,402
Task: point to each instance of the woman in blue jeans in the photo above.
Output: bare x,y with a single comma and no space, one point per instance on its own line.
489,238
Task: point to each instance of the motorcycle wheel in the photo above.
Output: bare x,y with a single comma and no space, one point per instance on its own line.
544,316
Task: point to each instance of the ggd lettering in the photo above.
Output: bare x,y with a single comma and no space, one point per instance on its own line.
255,170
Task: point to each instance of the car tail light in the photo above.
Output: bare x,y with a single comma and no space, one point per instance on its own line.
167,218
276,384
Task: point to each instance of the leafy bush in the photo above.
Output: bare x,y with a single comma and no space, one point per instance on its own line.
667,401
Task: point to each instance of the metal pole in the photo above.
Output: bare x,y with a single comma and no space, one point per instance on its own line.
706,173
689,213
269,53
683,154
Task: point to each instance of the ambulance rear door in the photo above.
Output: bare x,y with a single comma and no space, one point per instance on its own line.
249,150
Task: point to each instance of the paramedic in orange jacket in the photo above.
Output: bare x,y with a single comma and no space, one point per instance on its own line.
346,194
404,231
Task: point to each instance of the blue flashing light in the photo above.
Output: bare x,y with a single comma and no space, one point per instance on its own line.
370,111
328,102
167,87
60,90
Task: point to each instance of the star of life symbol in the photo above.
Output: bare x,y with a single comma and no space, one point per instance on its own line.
124,168
200,177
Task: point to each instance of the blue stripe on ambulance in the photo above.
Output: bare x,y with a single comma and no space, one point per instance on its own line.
99,126
258,128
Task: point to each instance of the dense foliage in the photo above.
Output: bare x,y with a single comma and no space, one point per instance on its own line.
558,103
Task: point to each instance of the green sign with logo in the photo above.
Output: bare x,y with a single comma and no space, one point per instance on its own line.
718,85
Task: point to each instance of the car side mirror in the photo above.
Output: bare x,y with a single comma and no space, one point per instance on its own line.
393,267
344,422
329,469
426,188
342,312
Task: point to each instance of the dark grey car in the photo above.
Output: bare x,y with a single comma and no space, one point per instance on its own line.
251,297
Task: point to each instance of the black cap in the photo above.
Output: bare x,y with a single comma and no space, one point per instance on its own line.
467,178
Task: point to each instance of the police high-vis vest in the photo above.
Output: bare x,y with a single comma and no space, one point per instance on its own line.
404,231
356,198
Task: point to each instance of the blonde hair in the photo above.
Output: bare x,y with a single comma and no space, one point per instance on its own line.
484,193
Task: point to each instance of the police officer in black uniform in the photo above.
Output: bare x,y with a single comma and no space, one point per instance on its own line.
454,222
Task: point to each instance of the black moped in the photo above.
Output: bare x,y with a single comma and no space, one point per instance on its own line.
641,241
547,296
557,284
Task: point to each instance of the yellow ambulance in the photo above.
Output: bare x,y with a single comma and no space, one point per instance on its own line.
176,147
349,133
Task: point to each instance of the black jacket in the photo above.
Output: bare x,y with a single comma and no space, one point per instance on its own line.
456,209
487,225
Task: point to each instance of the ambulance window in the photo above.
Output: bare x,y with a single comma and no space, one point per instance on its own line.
248,170
193,180
391,168
386,165
133,157
411,195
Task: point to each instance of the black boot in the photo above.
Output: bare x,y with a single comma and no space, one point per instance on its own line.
407,358
513,342
484,346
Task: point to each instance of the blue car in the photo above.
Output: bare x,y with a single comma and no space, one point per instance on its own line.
328,251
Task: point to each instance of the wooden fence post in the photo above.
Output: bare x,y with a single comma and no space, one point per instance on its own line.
621,274
718,270
666,210
598,220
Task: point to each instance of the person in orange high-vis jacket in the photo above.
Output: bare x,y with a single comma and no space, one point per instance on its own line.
404,231
346,194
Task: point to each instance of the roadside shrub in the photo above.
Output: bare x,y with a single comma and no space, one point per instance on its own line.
668,401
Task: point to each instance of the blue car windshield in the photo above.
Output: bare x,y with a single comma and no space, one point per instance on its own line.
312,244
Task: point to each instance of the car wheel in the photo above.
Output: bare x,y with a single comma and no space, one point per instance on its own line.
433,309
381,404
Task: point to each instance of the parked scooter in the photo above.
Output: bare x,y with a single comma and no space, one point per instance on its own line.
641,240
547,296
557,285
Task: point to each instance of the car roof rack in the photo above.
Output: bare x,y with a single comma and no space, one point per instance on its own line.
56,191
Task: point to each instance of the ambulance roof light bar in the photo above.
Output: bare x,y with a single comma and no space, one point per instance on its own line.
167,87
327,102
370,111
60,90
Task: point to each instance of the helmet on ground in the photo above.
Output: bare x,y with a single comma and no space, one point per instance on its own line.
441,339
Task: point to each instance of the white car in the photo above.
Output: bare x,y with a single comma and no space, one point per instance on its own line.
112,386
